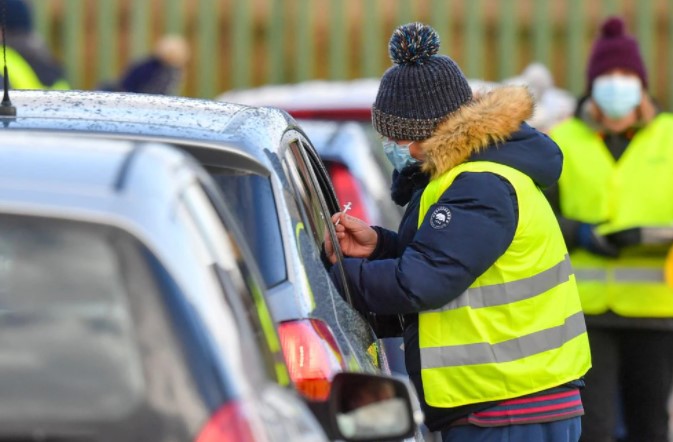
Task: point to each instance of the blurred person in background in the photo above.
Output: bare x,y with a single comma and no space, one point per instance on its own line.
30,63
158,73
494,335
615,206
552,105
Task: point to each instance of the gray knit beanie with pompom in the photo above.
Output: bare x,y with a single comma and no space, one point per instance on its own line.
421,89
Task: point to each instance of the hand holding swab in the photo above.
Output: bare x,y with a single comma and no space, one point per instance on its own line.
347,207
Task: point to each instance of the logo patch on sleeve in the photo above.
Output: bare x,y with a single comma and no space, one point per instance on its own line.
440,217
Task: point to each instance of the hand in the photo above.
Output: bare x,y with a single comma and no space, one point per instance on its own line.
596,243
625,238
328,248
356,238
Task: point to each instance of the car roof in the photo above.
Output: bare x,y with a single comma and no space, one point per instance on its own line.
29,161
315,99
73,174
206,123
320,99
313,94
178,112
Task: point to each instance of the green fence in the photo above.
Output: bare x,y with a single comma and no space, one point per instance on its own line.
247,43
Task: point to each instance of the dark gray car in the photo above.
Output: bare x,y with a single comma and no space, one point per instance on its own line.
277,187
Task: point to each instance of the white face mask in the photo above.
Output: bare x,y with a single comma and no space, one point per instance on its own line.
616,95
398,154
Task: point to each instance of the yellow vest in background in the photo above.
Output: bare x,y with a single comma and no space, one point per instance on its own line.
22,75
519,328
635,191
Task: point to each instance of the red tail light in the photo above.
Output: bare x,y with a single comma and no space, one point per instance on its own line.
312,354
347,189
229,424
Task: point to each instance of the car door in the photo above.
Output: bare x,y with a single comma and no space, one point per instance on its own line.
317,201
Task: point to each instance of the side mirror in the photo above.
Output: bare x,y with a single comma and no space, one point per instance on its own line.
365,407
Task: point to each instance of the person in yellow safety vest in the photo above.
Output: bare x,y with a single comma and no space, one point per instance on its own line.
615,189
494,333
29,62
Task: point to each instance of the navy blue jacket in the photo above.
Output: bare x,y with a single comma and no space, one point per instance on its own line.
417,269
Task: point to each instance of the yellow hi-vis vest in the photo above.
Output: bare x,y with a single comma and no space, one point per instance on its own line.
22,75
519,328
635,191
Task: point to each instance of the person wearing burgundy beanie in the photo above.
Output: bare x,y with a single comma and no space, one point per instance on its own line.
614,201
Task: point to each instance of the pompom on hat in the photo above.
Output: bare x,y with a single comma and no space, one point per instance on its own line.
421,89
615,49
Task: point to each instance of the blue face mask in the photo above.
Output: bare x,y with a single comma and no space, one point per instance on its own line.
398,154
616,95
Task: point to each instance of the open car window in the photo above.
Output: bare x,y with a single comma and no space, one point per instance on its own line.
310,180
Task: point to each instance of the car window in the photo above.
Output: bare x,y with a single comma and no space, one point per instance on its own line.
305,189
259,221
308,193
67,346
321,176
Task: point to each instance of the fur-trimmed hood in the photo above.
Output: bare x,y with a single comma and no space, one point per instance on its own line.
492,128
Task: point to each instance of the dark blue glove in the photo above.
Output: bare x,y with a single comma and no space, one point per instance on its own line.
626,238
589,239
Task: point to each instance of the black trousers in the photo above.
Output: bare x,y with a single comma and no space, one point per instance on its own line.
632,370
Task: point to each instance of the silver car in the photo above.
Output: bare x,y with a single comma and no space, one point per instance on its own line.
127,310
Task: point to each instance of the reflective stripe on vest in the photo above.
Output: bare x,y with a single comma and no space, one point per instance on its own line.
507,293
518,328
514,349
625,275
22,75
632,192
